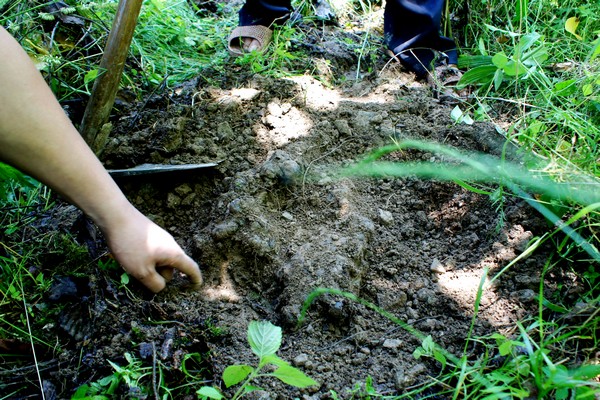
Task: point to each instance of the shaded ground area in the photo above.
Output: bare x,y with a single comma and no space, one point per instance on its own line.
270,224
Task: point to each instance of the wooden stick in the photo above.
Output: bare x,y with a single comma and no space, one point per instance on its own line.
111,68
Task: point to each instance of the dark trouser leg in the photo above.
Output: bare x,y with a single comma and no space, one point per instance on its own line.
264,12
412,29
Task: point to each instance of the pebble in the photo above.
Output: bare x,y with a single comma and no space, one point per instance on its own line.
300,360
437,266
392,343
385,217
287,215
359,359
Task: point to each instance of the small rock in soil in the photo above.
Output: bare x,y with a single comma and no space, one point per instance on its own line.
300,360
437,266
392,343
385,217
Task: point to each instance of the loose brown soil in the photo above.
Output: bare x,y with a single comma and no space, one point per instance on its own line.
270,224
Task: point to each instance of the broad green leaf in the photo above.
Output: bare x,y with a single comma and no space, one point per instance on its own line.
586,371
501,377
596,51
481,46
81,392
498,78
505,348
571,25
587,89
467,62
107,380
234,374
428,344
514,68
90,76
523,369
482,75
537,56
273,359
264,338
586,393
293,376
500,60
440,358
459,117
209,392
527,41
251,388
565,88
418,353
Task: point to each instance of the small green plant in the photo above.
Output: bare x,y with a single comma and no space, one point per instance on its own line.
264,339
525,62
105,388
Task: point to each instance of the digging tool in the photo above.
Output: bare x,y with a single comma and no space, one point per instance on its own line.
105,87
150,169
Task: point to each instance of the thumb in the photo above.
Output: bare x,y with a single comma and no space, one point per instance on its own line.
185,264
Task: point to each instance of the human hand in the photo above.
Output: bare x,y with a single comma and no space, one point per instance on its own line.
148,252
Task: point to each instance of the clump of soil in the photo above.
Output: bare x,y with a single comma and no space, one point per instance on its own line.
271,223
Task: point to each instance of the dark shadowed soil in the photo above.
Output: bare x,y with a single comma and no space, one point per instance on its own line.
269,224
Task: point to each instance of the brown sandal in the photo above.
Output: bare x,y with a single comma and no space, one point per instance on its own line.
260,33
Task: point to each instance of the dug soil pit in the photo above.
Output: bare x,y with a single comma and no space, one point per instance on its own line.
272,222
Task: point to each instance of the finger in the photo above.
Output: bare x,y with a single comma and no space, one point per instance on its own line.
153,281
188,266
165,272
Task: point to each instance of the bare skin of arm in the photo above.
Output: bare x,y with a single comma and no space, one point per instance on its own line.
37,137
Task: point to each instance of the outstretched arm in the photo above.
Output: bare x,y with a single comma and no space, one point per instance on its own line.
37,137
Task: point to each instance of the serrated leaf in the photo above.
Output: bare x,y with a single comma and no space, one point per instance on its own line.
571,25
209,392
264,338
293,377
234,374
275,360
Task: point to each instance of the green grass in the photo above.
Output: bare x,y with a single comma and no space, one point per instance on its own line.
527,64
171,43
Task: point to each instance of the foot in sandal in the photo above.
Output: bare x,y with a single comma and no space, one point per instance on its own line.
245,39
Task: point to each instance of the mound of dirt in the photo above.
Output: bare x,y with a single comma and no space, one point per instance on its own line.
271,223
